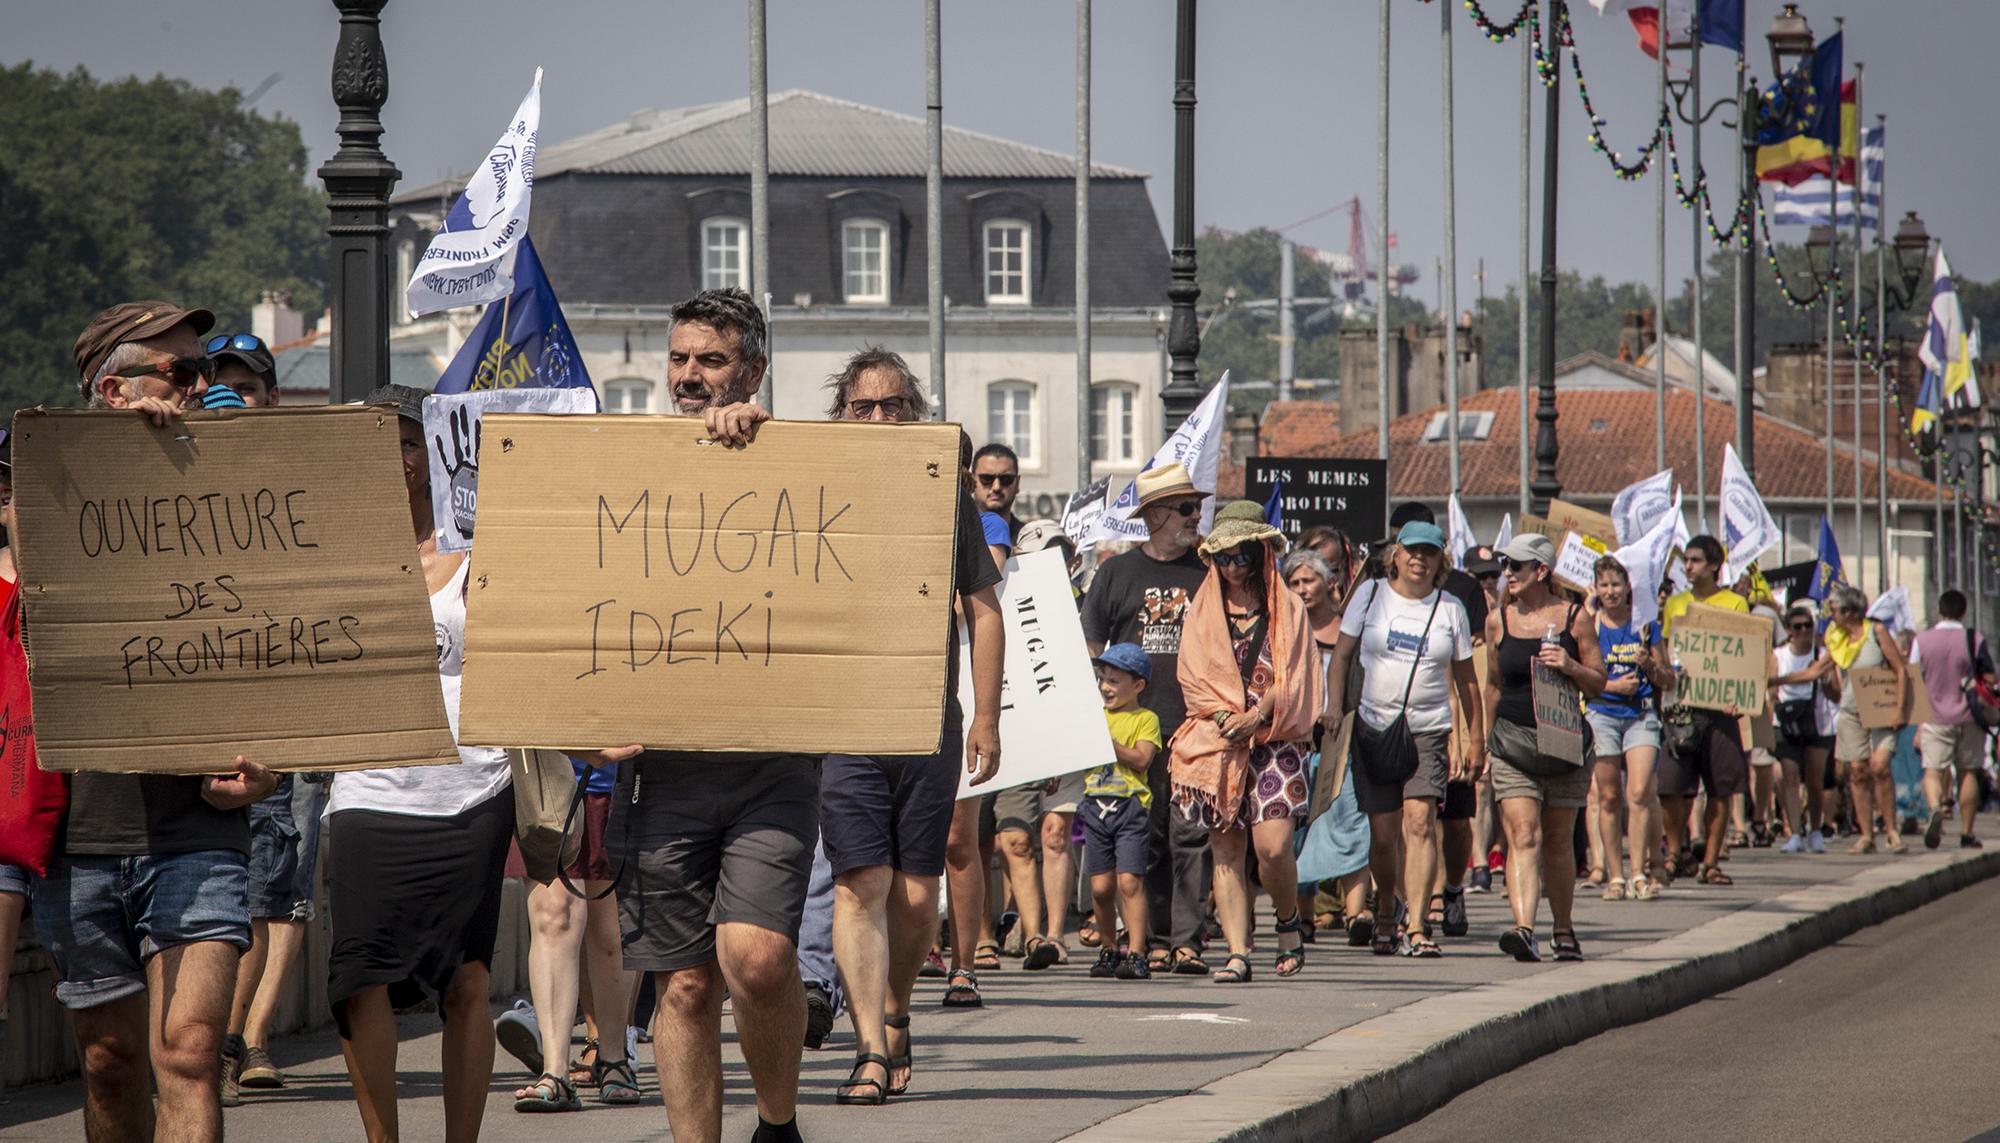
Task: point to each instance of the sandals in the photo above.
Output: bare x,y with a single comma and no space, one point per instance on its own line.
1434,914
1235,970
548,1093
961,990
1087,934
1421,945
1865,845
1642,888
1713,875
616,1083
1291,961
583,1068
1160,958
1519,943
986,956
1042,953
855,1079
1360,930
1565,944
1385,942
1188,962
899,1059
1614,889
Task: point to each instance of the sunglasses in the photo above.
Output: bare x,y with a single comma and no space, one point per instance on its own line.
246,342
1520,565
1422,552
861,409
1186,508
1803,626
1003,479
183,372
1236,559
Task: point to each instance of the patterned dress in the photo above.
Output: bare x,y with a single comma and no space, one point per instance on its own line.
1277,787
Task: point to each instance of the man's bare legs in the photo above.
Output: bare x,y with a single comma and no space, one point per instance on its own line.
606,988
188,989
761,971
1058,874
965,881
284,941
556,927
112,1040
370,1050
1024,877
913,903
861,947
468,1051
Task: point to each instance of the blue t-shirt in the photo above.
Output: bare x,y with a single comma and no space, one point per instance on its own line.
1621,647
602,778
994,525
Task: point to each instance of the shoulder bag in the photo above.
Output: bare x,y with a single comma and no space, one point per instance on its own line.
1980,698
1798,720
1388,757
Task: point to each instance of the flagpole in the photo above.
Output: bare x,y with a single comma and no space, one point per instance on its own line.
1521,308
1694,300
1450,314
934,200
1083,252
1860,529
760,187
1383,274
1827,288
1882,374
1660,263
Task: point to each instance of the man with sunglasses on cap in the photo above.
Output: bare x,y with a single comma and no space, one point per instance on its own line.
1141,597
144,910
243,364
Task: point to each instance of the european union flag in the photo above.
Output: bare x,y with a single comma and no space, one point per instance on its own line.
1274,506
1826,570
521,342
1721,23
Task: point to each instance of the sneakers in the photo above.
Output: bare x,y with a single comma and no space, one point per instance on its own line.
819,1016
232,1063
1133,967
1816,841
1967,841
257,1070
1109,961
520,1036
1795,843
1934,831
1456,923
1482,880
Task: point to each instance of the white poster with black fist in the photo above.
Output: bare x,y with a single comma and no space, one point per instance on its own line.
451,429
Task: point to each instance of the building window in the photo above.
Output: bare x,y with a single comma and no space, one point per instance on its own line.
1010,418
864,249
725,253
1471,427
632,395
1007,263
1114,435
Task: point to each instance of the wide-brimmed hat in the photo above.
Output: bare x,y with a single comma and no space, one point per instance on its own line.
1164,481
1239,522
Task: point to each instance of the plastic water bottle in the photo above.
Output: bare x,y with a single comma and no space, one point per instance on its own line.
1550,638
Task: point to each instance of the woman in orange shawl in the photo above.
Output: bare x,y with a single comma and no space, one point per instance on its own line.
1254,685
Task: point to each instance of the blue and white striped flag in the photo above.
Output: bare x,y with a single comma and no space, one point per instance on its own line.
1805,203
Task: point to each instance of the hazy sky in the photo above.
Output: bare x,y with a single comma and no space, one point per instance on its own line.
1285,127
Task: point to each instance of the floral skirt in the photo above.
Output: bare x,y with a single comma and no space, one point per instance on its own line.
1277,789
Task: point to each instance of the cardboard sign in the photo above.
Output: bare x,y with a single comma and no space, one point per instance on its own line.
1576,562
1540,526
1332,772
636,582
1758,733
1559,727
1883,707
1051,713
1351,494
452,425
1575,518
1725,658
240,582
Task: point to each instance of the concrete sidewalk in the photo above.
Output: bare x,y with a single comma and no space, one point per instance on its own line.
1354,1047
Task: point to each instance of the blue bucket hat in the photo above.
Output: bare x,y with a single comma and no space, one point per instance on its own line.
1130,658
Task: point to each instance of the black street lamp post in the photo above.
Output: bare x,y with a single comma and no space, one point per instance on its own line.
1545,487
358,180
1183,391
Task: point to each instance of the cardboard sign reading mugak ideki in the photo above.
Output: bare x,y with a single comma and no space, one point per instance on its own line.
240,582
635,582
1725,658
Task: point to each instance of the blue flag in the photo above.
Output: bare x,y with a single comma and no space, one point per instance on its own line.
1721,23
521,342
1826,570
1274,506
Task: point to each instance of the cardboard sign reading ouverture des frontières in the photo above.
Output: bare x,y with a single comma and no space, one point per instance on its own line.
636,583
240,582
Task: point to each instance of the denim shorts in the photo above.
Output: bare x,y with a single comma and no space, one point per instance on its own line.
102,918
16,879
1613,735
274,856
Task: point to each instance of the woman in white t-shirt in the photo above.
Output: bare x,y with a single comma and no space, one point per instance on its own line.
415,860
1415,644
1805,685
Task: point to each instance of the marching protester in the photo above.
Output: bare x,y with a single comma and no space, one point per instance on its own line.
1539,797
1407,631
416,857
1625,734
1804,685
16,881
1951,657
1482,563
1858,643
1115,825
1254,685
1338,844
145,910
1716,764
1142,597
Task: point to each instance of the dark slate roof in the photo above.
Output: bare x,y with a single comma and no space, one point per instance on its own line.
811,135
308,368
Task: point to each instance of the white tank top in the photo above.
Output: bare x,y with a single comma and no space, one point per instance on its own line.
432,791
1791,662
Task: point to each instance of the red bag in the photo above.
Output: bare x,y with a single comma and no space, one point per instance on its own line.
32,800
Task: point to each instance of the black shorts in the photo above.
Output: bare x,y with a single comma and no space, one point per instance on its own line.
412,898
1114,835
1461,802
891,811
706,842
1718,765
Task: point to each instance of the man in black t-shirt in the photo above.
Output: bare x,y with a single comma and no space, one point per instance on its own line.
147,891
1141,597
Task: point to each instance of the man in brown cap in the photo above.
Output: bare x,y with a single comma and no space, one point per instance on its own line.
1140,597
144,909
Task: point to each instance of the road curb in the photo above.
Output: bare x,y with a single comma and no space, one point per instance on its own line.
1370,1079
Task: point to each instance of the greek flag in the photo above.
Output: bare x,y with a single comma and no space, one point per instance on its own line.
1805,203
471,260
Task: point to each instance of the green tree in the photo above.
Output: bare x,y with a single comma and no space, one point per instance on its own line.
1589,313
123,189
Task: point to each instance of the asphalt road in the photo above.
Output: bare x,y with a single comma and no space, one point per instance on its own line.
1891,1034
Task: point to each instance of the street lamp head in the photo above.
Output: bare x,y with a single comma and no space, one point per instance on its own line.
1791,40
1913,249
1819,241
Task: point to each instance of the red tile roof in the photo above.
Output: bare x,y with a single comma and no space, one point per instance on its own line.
1288,428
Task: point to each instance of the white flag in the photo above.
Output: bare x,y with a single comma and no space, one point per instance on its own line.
1645,559
1196,444
1461,539
1639,506
1506,532
471,260
1893,607
1747,528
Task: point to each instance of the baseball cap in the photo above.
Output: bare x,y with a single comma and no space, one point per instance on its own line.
1482,561
409,402
247,349
1421,533
130,321
1531,546
1130,658
1039,534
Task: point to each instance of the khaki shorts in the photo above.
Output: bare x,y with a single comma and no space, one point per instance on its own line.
1854,743
1021,807
1961,747
1568,792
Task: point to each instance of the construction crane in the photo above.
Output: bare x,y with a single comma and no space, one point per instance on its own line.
1349,273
